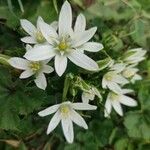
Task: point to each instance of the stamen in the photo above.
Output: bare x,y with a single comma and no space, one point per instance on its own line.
39,37
64,109
35,66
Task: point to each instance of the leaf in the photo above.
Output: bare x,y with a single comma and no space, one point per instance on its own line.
137,126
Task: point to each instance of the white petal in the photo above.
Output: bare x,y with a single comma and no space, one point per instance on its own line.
28,47
126,91
39,20
80,24
104,83
120,79
108,108
80,38
40,53
54,24
28,27
60,64
29,39
83,106
47,69
54,122
48,32
40,81
26,74
65,19
49,110
67,127
85,98
127,101
19,63
82,60
92,47
116,105
77,119
114,87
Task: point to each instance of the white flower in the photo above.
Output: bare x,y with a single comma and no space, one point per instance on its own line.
30,68
118,67
134,56
115,100
112,80
130,72
65,112
90,95
67,43
35,35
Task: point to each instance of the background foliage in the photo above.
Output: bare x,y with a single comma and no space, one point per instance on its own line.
122,24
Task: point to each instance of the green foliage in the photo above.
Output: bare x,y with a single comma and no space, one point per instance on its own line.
121,25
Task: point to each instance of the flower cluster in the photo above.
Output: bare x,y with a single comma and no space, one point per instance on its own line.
64,42
120,74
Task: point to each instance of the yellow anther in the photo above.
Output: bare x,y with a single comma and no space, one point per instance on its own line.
64,109
39,37
128,73
62,46
109,77
114,96
35,66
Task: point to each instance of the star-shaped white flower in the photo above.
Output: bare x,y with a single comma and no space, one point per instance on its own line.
113,80
90,95
35,35
65,112
134,56
115,100
67,43
130,72
37,68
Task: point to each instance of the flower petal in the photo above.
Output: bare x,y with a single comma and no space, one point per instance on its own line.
47,69
48,32
60,64
54,122
28,27
39,20
127,101
28,47
67,127
49,110
19,63
91,47
108,108
116,105
54,24
26,74
40,53
65,19
82,60
85,97
80,38
29,39
77,119
83,106
80,24
40,81
114,87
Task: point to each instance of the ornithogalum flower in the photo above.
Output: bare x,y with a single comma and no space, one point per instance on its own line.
37,68
115,100
130,72
35,35
113,80
134,56
67,43
65,112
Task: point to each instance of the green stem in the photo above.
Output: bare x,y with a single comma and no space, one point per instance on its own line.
4,59
66,87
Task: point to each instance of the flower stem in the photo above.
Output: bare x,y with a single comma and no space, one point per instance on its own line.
66,87
4,59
